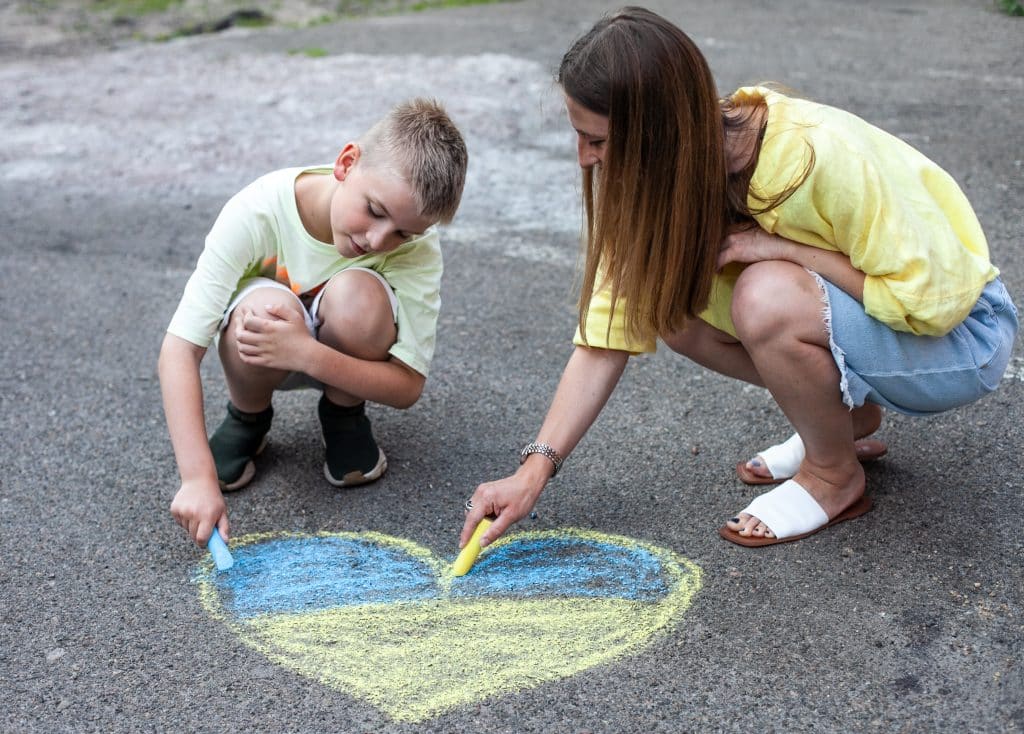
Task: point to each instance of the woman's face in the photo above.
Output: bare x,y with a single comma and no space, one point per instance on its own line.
591,133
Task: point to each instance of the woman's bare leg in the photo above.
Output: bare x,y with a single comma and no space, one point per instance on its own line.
720,352
777,311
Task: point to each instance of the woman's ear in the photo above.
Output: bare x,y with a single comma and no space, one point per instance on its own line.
346,161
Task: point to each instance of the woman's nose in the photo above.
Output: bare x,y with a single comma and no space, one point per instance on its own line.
588,155
585,156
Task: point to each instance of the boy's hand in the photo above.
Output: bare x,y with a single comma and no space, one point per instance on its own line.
198,507
275,341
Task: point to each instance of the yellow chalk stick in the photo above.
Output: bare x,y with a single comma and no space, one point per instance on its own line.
471,550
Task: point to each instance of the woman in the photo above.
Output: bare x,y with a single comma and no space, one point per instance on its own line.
781,242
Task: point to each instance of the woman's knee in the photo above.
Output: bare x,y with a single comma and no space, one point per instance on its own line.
771,296
356,316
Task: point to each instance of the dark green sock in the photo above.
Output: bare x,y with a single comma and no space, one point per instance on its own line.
351,450
237,440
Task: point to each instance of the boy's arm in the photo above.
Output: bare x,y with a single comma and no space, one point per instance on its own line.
198,505
391,383
284,343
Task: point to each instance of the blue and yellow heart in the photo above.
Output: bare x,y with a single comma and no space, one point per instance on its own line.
382,618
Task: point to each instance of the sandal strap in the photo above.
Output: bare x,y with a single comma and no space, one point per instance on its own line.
788,510
783,460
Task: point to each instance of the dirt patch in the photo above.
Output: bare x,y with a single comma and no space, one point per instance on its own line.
67,27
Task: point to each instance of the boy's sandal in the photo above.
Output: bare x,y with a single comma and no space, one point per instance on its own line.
783,460
790,513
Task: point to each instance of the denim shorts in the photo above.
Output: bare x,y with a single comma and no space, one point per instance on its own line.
919,375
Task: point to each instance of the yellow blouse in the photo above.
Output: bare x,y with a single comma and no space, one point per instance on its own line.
901,220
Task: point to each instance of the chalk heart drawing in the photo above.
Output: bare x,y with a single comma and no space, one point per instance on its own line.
382,618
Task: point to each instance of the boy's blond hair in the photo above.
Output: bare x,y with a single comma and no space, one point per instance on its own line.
417,141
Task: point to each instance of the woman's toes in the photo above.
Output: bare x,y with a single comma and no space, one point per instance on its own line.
748,525
758,467
869,448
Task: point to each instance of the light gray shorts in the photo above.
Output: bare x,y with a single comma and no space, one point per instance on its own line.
311,314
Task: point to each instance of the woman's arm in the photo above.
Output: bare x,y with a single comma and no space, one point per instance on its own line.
587,382
754,245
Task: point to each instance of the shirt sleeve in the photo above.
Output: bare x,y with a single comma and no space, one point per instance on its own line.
606,329
229,251
414,273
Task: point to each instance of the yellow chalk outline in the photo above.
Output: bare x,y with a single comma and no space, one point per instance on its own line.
383,667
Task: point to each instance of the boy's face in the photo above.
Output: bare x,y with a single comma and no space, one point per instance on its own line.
372,210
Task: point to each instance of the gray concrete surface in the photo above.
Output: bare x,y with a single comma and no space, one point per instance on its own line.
114,163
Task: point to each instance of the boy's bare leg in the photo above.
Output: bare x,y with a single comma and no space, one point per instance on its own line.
251,387
777,311
357,319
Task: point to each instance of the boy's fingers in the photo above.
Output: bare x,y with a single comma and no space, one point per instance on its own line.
222,527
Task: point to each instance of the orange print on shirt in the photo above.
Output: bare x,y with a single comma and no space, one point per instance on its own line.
270,269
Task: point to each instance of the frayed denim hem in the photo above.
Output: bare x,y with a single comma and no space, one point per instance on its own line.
838,355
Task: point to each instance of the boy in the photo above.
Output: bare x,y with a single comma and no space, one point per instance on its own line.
314,277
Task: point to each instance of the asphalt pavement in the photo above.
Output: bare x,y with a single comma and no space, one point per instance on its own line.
113,165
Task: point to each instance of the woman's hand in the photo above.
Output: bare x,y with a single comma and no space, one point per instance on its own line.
753,245
506,501
587,382
275,341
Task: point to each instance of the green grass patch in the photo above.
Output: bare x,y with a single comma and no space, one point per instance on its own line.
129,8
428,4
352,8
1011,7
313,52
243,21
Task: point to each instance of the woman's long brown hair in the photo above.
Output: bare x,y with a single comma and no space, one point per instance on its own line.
658,206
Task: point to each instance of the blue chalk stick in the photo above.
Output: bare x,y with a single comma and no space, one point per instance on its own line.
219,551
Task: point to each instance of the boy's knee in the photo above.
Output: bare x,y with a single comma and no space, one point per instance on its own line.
256,303
258,300
356,316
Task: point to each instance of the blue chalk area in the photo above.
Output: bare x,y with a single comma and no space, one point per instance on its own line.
219,550
307,574
564,567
